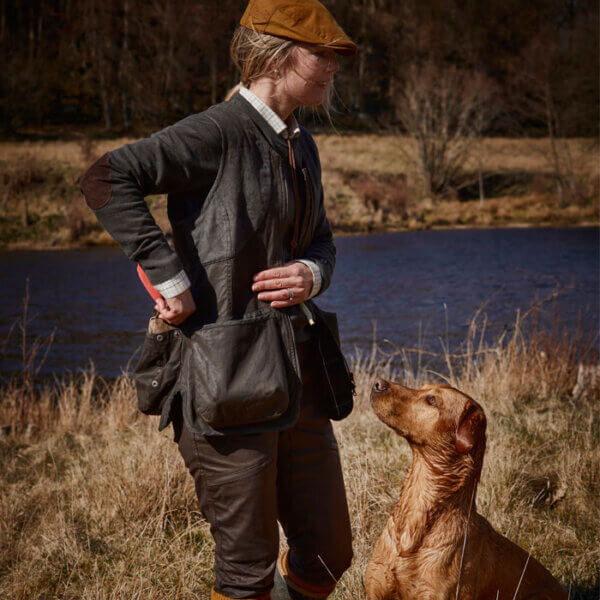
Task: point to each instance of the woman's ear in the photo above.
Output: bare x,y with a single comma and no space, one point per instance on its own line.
277,67
470,428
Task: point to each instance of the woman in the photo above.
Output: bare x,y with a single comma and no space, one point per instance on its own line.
258,383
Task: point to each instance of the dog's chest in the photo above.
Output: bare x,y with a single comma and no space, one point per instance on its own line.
420,577
424,574
427,573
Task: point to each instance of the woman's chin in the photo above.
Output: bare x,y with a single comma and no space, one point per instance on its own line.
315,98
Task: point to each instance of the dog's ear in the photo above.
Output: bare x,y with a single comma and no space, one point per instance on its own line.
470,428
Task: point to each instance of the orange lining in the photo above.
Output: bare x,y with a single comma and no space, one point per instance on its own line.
308,589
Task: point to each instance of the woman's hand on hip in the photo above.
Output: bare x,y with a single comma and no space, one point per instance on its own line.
177,309
284,286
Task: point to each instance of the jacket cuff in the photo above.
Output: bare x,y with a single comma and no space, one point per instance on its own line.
174,286
316,273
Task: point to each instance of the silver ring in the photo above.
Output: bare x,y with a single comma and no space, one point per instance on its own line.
291,294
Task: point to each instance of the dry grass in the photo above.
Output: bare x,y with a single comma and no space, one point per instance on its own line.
96,504
40,203
386,154
518,184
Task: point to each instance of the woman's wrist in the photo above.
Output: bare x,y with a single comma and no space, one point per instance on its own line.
316,275
174,286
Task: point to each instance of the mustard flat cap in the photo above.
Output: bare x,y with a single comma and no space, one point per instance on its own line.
303,20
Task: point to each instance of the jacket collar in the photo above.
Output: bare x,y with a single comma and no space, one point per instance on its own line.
278,143
291,129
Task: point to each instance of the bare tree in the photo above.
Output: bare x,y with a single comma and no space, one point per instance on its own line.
125,67
445,109
536,88
100,41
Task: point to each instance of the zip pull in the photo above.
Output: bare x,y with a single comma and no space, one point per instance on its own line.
307,313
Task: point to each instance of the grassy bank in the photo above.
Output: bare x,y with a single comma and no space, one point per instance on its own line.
95,503
370,185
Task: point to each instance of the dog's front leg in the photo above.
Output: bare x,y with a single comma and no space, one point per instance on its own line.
379,578
379,583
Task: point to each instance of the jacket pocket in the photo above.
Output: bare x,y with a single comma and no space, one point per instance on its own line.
158,368
236,373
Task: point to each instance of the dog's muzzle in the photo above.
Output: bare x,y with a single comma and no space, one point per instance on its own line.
381,385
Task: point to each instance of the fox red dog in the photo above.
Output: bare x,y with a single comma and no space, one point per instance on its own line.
435,546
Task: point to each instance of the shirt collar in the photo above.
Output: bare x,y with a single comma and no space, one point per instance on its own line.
287,131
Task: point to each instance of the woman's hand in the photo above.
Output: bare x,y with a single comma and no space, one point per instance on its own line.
177,309
276,284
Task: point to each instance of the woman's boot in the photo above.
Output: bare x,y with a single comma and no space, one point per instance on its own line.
287,586
281,590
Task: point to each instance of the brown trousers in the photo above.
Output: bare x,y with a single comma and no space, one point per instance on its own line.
245,483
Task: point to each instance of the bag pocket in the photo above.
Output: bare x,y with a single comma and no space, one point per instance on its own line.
158,368
237,373
331,321
340,379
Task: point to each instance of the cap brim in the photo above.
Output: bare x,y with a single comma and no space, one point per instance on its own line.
346,51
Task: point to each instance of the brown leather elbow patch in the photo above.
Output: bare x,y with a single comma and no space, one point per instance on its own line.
96,185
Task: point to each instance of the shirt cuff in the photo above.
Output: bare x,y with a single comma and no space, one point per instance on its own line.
174,286
316,273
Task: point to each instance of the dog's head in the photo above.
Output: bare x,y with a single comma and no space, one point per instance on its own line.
437,416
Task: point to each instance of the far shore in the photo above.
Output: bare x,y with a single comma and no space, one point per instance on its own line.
109,243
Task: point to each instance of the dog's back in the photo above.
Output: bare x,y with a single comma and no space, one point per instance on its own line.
505,570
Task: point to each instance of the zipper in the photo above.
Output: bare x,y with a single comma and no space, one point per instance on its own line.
287,325
309,210
284,205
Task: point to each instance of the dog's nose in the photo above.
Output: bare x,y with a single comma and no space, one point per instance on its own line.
381,385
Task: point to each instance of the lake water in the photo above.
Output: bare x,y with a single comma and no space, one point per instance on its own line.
415,288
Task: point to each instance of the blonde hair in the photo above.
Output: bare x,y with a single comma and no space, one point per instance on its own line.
258,54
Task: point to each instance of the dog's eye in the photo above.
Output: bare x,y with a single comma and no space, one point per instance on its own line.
430,400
